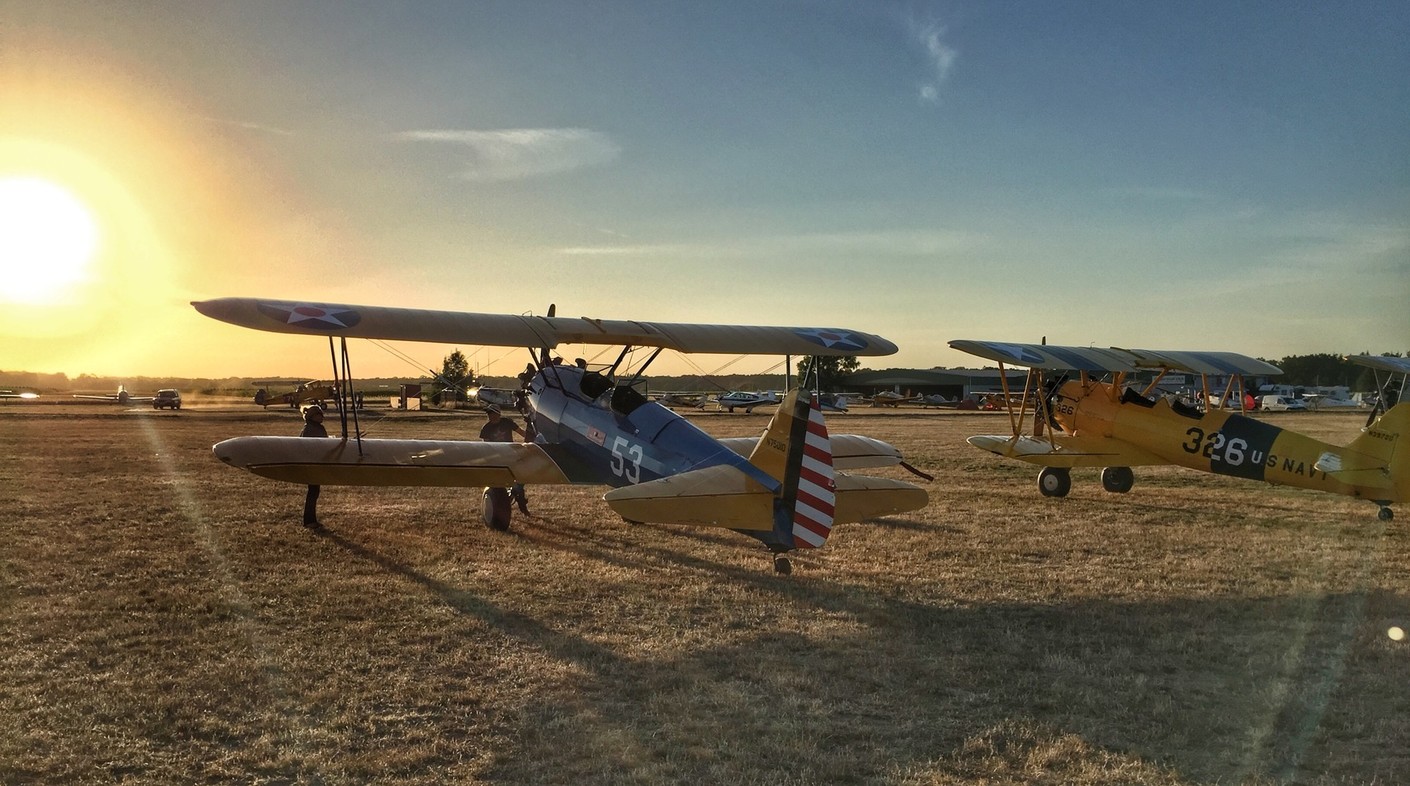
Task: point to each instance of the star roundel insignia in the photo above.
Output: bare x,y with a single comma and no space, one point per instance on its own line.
311,316
1018,352
833,338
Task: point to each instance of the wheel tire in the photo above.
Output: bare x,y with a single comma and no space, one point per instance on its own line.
1054,481
1117,480
496,514
1385,514
782,565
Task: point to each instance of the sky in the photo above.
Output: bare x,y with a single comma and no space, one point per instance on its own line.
1193,175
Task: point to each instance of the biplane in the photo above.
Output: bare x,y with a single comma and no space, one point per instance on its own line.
1087,411
787,488
120,397
313,391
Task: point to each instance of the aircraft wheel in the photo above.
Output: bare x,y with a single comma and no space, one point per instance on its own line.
1385,514
1054,481
782,565
496,514
1117,480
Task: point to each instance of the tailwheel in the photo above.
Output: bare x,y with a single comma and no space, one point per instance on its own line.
1385,514
1117,480
782,564
496,514
1054,481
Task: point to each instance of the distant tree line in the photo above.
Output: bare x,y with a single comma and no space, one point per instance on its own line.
1321,369
1326,370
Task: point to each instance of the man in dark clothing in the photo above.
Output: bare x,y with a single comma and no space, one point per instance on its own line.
313,427
502,429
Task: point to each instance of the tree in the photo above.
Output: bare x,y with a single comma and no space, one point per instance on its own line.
832,370
454,376
1319,369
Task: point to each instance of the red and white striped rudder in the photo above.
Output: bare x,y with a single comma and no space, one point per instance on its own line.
817,485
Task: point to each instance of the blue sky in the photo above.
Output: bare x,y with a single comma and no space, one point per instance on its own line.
1231,176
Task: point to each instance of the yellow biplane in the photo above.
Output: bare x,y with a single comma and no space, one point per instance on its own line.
1087,412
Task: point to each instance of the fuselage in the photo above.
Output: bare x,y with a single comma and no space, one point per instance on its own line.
599,432
1217,441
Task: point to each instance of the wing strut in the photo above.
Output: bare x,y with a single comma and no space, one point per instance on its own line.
342,383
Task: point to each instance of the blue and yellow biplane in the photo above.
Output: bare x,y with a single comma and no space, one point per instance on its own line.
787,488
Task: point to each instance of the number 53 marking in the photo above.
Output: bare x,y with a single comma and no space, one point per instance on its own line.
626,460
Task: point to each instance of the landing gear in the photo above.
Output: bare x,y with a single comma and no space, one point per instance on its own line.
782,565
1117,480
1385,514
1054,481
496,513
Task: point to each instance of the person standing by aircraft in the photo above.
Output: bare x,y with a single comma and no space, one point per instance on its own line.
313,427
502,429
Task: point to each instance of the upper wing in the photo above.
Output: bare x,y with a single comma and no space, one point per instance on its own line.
1382,363
390,462
1115,359
512,330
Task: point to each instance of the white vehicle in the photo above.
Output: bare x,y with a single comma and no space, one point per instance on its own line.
1281,404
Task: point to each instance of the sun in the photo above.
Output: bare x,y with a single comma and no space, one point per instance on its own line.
48,237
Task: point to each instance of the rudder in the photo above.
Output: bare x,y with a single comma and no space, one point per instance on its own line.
796,450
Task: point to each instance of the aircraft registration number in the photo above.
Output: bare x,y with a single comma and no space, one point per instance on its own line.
1217,448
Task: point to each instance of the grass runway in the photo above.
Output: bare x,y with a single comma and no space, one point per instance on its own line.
166,619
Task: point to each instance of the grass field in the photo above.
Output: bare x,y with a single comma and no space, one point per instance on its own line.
167,620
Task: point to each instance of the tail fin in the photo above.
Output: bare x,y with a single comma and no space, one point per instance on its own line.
796,450
1377,458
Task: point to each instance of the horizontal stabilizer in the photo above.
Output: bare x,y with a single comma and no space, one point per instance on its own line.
390,462
718,496
849,451
1068,451
1356,469
722,496
860,498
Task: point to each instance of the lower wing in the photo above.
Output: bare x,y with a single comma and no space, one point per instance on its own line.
722,496
1068,451
390,462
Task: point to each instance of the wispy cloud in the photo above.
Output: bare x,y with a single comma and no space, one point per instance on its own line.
518,153
249,126
939,56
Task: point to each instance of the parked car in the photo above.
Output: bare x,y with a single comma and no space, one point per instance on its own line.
167,398
1281,404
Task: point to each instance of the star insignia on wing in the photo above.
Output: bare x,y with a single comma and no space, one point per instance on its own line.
833,338
1018,352
311,316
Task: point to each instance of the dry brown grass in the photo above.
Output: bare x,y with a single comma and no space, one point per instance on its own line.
166,619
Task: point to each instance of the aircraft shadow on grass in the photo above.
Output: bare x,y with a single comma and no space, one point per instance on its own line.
1162,683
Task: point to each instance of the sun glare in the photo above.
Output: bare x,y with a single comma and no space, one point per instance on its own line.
47,239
